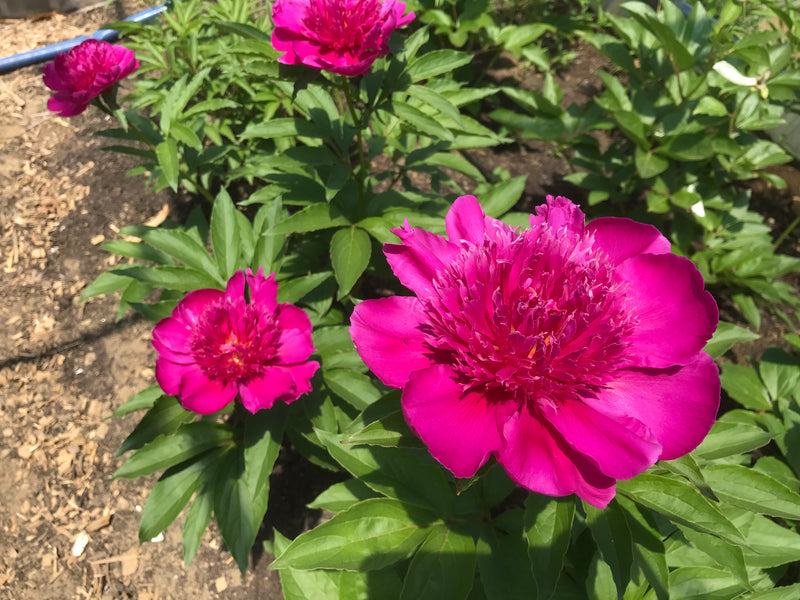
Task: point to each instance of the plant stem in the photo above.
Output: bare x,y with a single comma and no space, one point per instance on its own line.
361,175
786,233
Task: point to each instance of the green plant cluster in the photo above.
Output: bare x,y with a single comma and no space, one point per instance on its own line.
308,172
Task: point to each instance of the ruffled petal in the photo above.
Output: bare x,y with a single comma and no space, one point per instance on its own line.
466,221
263,290
677,405
418,260
262,392
561,215
202,395
620,446
676,316
537,458
460,429
194,304
622,239
387,337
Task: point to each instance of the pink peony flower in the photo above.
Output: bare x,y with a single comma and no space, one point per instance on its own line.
86,71
216,345
572,353
341,36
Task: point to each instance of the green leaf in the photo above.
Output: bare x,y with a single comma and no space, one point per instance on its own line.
436,63
141,401
350,252
421,122
293,290
165,451
648,547
727,555
768,544
225,240
163,418
138,251
501,198
170,494
356,388
613,538
182,279
780,373
548,525
503,565
649,164
263,435
650,20
788,592
681,503
599,579
442,568
703,583
106,283
234,510
197,519
686,466
277,128
729,438
185,248
395,472
435,100
726,335
370,535
743,385
753,490
388,431
312,218
167,153
341,496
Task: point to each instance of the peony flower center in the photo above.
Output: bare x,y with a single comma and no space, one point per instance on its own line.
530,314
232,344
343,25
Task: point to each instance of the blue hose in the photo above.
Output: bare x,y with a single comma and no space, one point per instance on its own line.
31,57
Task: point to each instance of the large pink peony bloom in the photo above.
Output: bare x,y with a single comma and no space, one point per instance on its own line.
342,36
572,353
85,72
216,345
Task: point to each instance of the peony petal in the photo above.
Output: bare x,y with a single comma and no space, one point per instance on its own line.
676,316
234,291
622,239
537,458
678,405
420,258
202,395
620,446
173,335
168,374
466,221
295,345
561,215
195,303
460,429
387,336
263,290
262,392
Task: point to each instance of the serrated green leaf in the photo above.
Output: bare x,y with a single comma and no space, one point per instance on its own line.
165,451
681,503
370,535
548,525
442,568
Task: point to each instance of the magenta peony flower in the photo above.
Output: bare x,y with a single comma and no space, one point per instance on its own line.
216,345
85,72
572,353
342,36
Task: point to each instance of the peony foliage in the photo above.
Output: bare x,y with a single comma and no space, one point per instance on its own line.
515,402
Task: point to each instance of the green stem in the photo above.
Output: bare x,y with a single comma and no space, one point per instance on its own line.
786,233
361,175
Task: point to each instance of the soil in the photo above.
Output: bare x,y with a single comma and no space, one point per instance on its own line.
66,365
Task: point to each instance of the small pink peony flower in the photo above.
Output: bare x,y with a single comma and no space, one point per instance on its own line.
85,72
216,345
572,353
341,36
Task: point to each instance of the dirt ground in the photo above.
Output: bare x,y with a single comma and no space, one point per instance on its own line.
65,365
